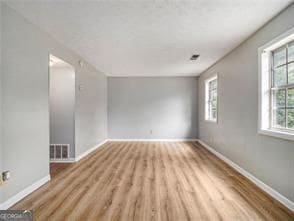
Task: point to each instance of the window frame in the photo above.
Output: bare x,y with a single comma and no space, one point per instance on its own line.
208,115
267,87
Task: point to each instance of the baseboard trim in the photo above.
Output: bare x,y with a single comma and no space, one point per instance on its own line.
89,151
70,160
152,140
22,194
275,194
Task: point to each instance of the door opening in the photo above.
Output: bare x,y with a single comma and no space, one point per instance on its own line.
62,112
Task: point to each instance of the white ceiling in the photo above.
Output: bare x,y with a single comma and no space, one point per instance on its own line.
150,38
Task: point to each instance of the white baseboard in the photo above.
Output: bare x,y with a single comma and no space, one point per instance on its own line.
70,160
13,200
89,151
275,194
151,140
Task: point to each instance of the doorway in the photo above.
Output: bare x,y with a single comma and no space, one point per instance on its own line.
62,113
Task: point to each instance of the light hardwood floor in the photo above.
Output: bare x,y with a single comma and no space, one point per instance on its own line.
151,181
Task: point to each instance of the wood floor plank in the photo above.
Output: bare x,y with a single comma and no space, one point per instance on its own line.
249,191
149,181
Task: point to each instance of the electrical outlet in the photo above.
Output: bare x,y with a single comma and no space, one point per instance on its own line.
5,176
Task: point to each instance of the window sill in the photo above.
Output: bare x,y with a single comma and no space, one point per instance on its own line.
279,134
211,121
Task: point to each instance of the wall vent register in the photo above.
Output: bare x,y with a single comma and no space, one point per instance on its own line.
59,151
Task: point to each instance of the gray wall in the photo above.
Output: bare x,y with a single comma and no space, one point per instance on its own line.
62,106
91,109
26,101
235,136
1,153
167,106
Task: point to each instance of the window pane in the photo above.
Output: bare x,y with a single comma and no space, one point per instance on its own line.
279,98
290,98
279,118
291,73
291,52
279,57
212,84
290,116
213,113
213,95
213,104
215,83
280,76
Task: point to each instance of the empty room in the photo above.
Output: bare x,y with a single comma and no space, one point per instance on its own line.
146,110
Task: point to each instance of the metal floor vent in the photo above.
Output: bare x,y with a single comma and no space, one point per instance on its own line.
59,151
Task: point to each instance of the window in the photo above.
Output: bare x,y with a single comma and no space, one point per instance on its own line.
282,87
276,106
211,99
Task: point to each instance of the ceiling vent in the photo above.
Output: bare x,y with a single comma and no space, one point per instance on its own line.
194,57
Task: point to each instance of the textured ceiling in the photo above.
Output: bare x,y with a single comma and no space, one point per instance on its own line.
150,38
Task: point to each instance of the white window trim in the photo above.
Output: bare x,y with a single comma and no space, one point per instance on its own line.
214,77
264,98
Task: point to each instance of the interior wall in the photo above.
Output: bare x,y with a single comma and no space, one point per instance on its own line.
235,135
152,107
62,106
25,83
1,153
91,110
